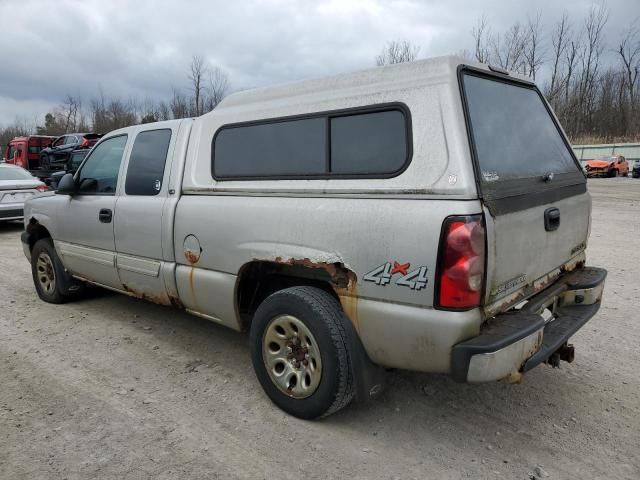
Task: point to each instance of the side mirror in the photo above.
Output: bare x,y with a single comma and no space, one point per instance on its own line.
67,185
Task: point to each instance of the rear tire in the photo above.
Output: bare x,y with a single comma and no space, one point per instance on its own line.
300,352
53,284
613,173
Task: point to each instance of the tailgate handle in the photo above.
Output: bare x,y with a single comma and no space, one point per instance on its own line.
551,219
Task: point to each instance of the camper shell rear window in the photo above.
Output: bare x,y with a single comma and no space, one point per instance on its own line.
521,158
514,134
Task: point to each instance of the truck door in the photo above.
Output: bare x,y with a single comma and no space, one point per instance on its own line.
140,223
85,237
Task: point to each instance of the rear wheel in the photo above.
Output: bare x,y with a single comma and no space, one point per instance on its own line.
613,173
300,352
53,284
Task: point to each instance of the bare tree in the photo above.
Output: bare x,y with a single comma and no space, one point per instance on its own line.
590,63
18,128
70,111
217,89
560,39
164,112
198,70
481,36
397,52
508,49
629,51
533,53
178,104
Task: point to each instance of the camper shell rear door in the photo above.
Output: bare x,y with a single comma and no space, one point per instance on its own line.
534,192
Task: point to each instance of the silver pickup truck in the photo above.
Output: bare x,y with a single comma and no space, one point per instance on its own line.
428,216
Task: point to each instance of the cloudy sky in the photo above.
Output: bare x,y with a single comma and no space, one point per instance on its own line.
142,48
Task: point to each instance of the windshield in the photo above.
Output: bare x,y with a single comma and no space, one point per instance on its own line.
514,135
13,173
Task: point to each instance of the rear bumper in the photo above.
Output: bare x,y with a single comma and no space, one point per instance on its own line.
514,342
11,211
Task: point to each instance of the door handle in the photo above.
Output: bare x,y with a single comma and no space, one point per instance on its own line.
551,219
105,215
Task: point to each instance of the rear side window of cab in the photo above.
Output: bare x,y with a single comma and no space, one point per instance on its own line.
370,142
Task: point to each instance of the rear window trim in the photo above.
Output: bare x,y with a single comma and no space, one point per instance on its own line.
483,187
327,115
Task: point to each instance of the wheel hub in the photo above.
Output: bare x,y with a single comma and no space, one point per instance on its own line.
45,273
291,356
299,353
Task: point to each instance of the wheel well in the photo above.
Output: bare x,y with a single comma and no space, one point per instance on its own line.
36,232
259,279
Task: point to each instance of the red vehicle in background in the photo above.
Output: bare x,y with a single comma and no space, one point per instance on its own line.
25,151
608,166
43,155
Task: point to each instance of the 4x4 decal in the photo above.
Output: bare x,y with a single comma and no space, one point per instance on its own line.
415,279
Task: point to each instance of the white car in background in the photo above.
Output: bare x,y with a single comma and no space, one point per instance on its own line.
16,186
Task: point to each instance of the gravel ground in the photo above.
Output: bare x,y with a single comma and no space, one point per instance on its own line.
113,387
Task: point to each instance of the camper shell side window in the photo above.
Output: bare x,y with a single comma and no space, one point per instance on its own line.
369,142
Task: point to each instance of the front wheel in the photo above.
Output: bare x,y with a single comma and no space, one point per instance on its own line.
53,284
300,352
613,173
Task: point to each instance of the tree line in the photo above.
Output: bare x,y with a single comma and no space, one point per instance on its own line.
207,86
596,101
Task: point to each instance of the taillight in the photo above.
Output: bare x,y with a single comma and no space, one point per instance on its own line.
86,143
461,262
42,188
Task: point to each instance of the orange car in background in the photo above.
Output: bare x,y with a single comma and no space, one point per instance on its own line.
609,166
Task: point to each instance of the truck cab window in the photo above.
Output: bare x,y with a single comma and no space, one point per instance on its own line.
146,162
99,174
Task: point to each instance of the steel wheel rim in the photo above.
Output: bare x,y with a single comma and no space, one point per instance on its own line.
45,273
291,356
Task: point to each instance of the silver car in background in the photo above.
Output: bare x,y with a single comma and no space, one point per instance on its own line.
17,185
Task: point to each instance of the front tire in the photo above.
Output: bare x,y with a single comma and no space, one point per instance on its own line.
53,284
300,352
613,173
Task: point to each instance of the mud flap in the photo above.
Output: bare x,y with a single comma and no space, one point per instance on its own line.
368,378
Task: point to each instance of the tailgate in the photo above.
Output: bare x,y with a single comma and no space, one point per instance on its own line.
537,207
